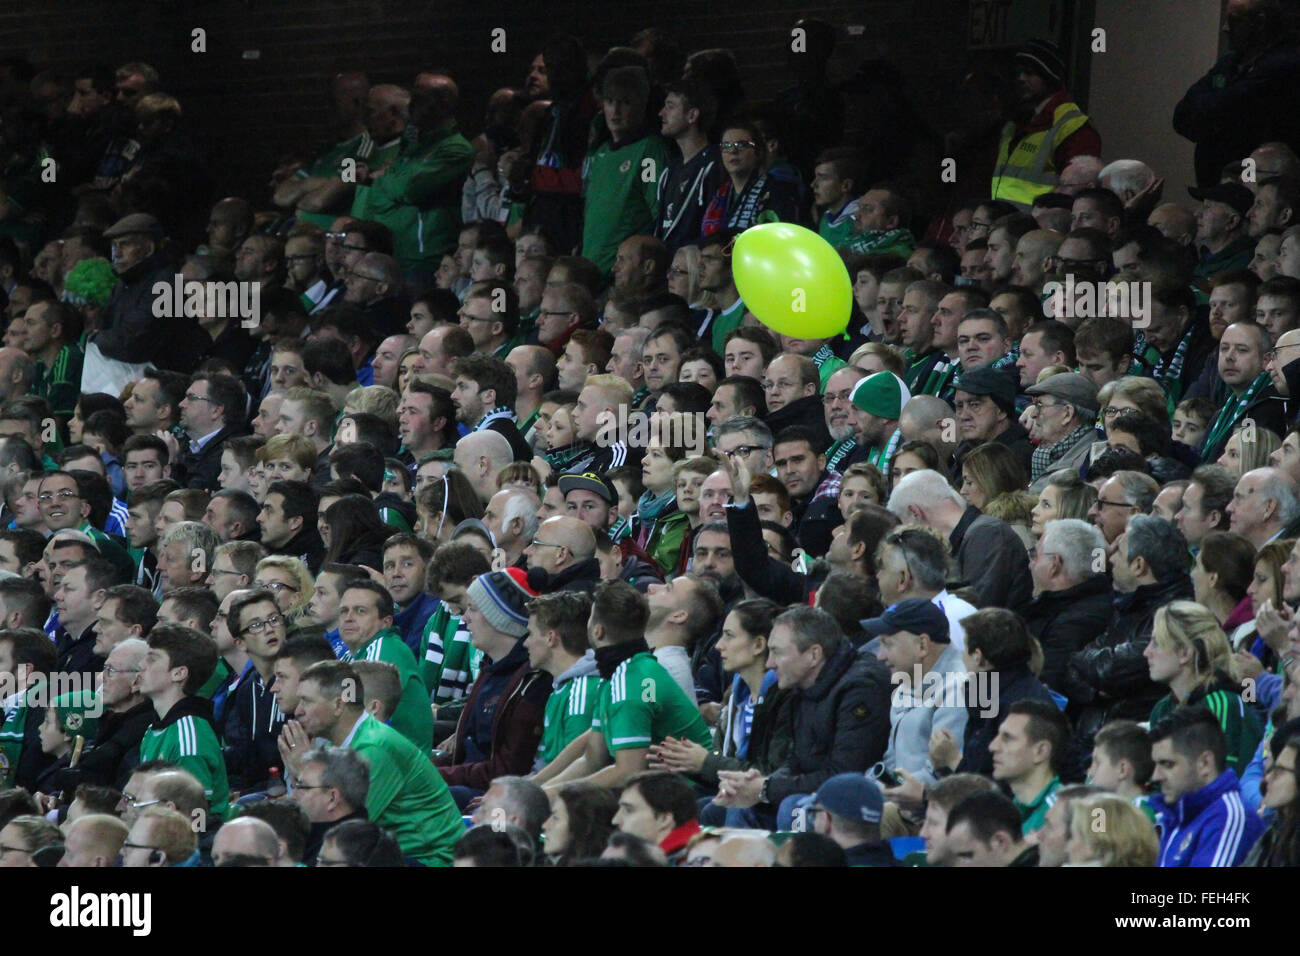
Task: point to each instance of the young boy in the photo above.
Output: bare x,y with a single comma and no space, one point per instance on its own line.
1191,418
142,532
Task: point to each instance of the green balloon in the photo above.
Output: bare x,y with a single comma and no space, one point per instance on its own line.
793,280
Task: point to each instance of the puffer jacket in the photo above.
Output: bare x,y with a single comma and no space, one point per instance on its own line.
840,724
1109,679
1066,621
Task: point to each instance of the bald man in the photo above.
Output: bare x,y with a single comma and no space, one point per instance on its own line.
511,516
434,358
641,266
229,224
1033,251
246,837
565,549
93,840
534,367
1174,222
745,850
481,456
17,370
1285,351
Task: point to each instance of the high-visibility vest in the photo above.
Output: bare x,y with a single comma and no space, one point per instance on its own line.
1028,171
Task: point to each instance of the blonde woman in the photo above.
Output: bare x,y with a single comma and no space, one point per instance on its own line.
877,357
1189,653
1143,394
289,580
684,278
1066,495
1248,448
1107,830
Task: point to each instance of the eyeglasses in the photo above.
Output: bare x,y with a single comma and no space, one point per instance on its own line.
191,397
679,272
63,495
225,571
128,845
831,397
131,800
258,626
1103,503
277,587
545,312
299,785
13,849
1042,404
744,451
1076,263
1111,412
1278,767
109,670
361,275
546,544
336,236
737,145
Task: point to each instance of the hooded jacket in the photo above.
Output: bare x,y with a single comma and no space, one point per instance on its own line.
840,724
512,697
253,722
1065,621
1207,827
1109,679
307,545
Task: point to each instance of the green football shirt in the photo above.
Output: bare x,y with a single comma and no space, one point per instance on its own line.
412,718
641,704
407,795
192,744
569,710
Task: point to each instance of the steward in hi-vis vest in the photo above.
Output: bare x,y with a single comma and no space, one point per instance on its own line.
1033,150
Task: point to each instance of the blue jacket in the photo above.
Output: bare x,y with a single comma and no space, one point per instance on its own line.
411,619
1207,827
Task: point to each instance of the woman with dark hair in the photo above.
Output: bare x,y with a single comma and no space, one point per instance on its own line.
1280,844
1221,579
750,195
357,532
754,728
581,820
912,456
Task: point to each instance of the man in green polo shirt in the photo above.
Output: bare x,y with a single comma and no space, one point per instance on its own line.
1028,752
366,627
50,337
407,795
639,703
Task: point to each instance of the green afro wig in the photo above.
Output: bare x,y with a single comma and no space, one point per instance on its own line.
90,282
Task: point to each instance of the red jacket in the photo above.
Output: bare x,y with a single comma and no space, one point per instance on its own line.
1085,141
516,730
674,844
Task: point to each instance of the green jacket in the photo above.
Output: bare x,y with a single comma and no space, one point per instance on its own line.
666,538
418,197
1239,723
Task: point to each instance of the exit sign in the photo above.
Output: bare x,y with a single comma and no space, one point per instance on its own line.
1009,23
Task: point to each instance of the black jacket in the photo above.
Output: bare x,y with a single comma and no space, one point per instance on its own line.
306,544
992,559
110,758
765,575
771,735
871,854
583,576
808,412
132,333
815,519
251,727
316,835
1013,684
1109,679
1238,105
203,469
1065,621
510,431
1013,437
841,724
77,655
1268,410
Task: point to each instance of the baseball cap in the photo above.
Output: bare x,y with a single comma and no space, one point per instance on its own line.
1071,387
1230,194
598,485
917,615
853,796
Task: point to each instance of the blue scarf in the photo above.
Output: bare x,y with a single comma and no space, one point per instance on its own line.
744,709
650,508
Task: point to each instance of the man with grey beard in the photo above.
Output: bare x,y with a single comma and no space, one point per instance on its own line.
839,418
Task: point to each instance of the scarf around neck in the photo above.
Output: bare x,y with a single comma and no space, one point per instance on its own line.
609,657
